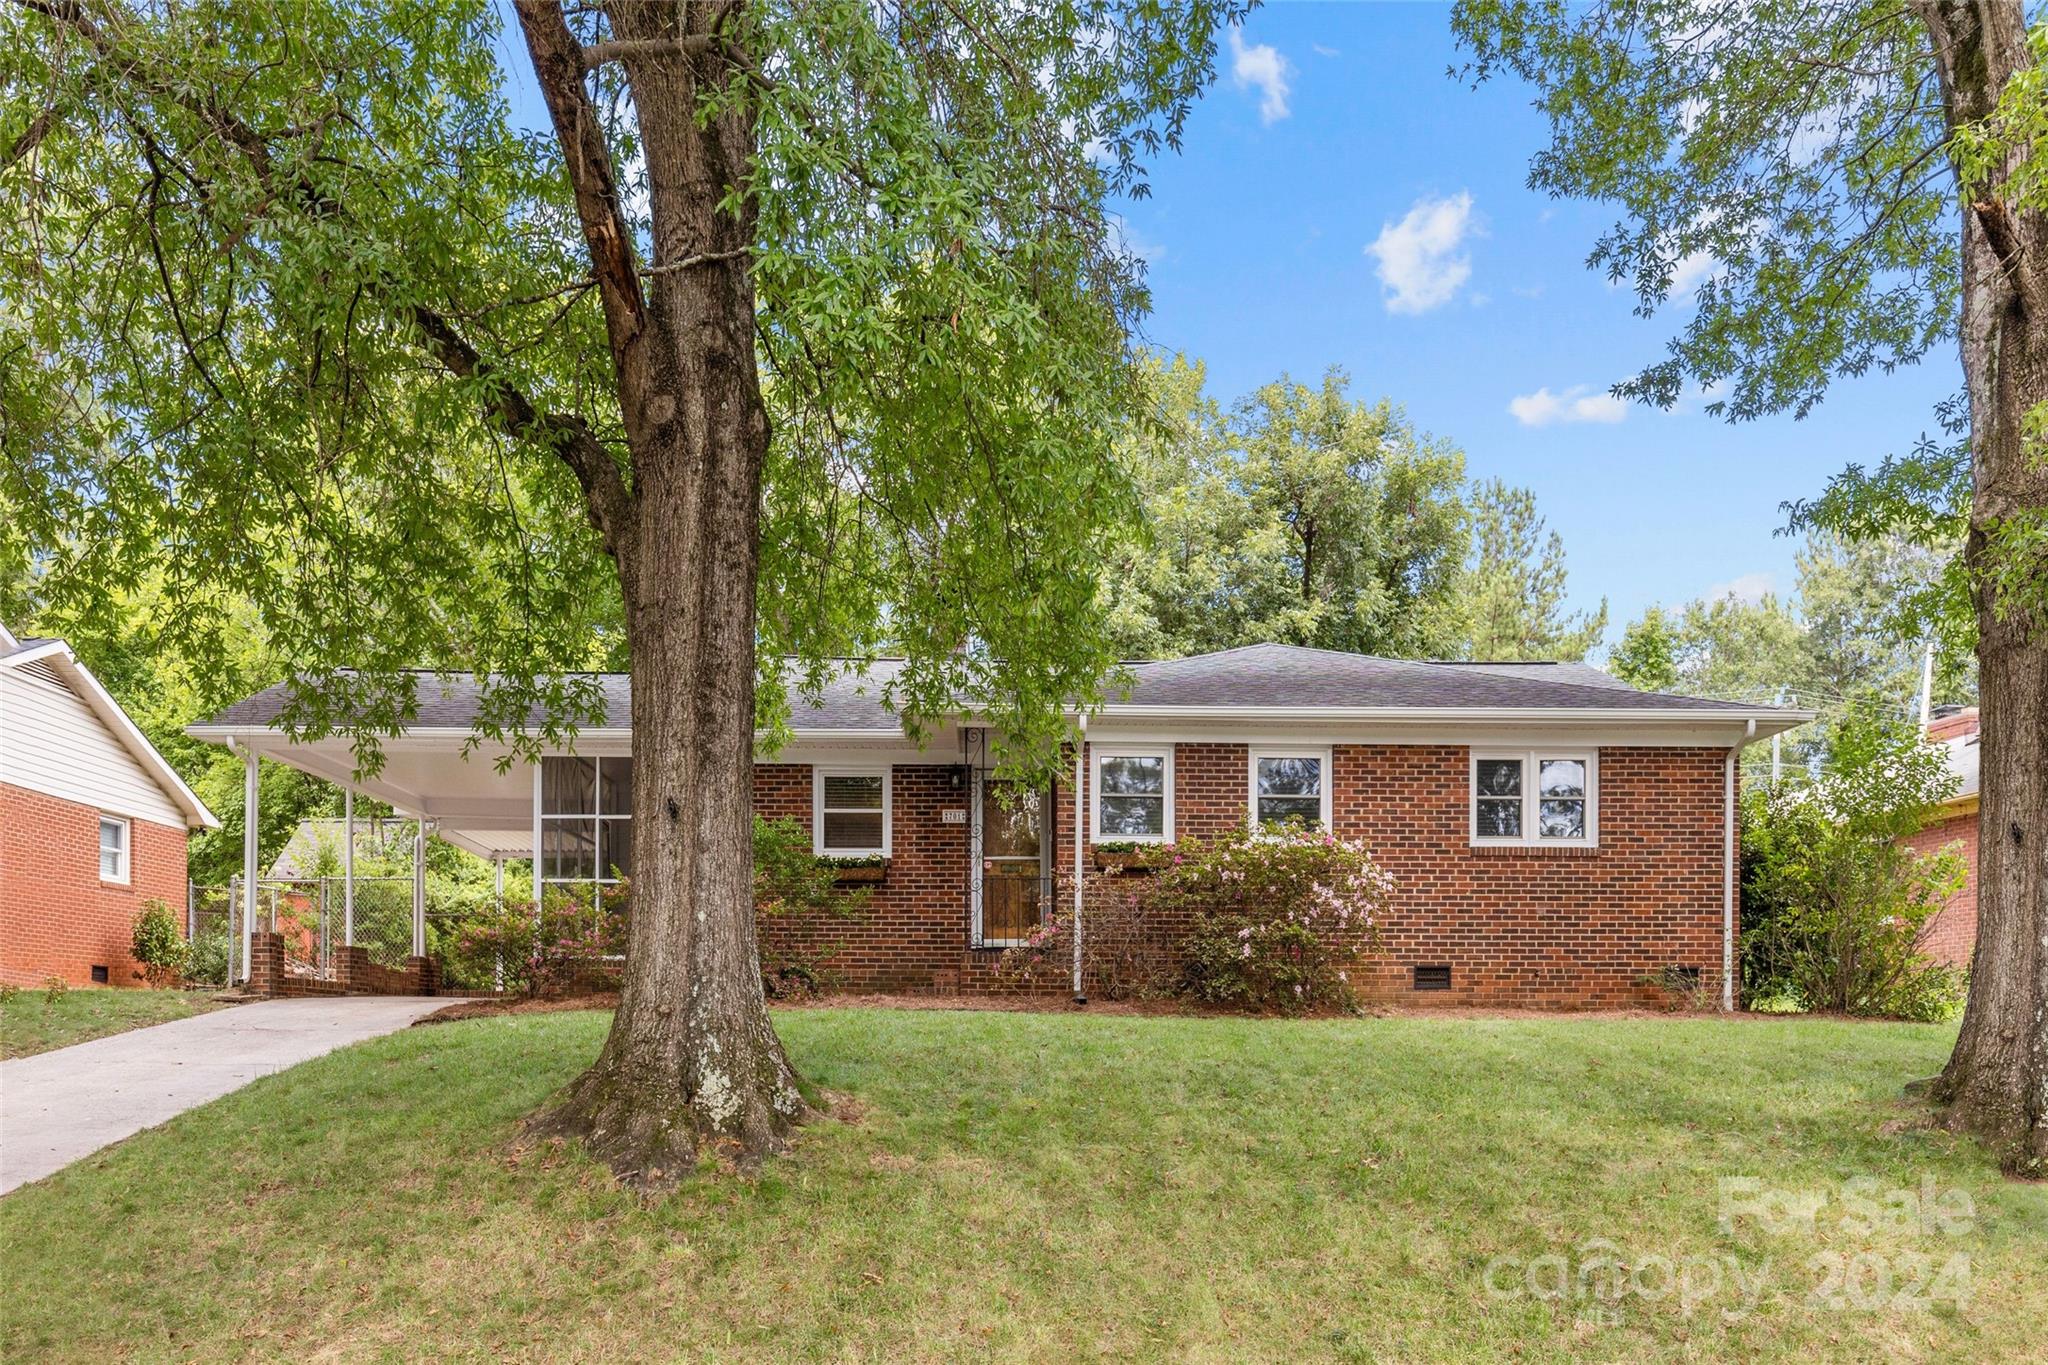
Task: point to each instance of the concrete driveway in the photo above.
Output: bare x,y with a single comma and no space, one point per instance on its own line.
59,1106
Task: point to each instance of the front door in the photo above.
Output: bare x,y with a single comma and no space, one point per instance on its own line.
1009,866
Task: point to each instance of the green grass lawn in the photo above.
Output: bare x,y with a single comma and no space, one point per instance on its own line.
1050,1187
32,1021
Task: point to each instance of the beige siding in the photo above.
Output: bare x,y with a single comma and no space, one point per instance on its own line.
52,742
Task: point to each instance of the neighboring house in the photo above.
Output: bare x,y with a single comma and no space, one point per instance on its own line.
1952,936
92,822
1556,837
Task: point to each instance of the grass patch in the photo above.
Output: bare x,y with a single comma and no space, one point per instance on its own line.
33,1021
1031,1187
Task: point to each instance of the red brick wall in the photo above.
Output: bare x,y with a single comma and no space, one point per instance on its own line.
57,918
911,933
1543,927
1952,935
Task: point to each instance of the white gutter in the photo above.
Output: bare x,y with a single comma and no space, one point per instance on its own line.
1424,714
1080,777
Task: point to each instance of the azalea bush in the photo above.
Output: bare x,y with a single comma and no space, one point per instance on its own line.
574,945
1124,954
1276,917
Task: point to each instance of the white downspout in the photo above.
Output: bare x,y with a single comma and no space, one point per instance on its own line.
1728,870
1080,835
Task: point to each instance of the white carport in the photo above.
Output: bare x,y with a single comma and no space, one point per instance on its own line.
478,797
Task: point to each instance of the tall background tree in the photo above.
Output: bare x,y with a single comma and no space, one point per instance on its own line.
1848,639
1860,181
1301,515
1514,589
801,333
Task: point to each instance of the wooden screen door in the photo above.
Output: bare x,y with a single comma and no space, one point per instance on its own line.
1009,863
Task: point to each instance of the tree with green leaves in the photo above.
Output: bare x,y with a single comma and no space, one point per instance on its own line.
803,334
1647,656
1854,185
1302,516
1514,588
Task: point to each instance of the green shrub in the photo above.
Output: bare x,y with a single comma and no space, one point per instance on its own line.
1276,917
208,962
159,944
1835,907
576,944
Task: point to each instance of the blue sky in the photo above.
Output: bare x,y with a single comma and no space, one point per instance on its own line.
1333,127
1258,234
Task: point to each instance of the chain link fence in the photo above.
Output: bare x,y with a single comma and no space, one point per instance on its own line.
311,915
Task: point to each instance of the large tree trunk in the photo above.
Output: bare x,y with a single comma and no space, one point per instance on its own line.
692,1067
1996,1083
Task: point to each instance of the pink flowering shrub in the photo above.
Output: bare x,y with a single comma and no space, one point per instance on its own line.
1276,917
1123,954
575,945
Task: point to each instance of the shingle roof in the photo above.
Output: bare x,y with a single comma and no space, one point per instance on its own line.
849,702
1290,675
24,646
1255,676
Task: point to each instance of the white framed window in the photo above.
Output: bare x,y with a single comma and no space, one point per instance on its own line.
1133,794
1535,796
850,810
114,834
1290,783
586,820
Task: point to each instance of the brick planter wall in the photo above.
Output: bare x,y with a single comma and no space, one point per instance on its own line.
354,973
1555,928
57,918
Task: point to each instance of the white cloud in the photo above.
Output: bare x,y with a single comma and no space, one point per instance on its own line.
1322,51
1419,258
1690,271
1749,587
1261,65
1130,239
1576,404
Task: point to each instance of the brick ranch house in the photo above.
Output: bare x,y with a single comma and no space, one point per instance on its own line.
1556,836
1952,935
92,822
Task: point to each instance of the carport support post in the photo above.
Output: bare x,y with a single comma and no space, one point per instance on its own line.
348,868
419,887
251,802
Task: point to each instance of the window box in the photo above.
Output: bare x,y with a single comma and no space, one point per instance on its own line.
854,871
1129,857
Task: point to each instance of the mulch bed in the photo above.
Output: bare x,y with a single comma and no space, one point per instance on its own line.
491,1009
1054,1004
